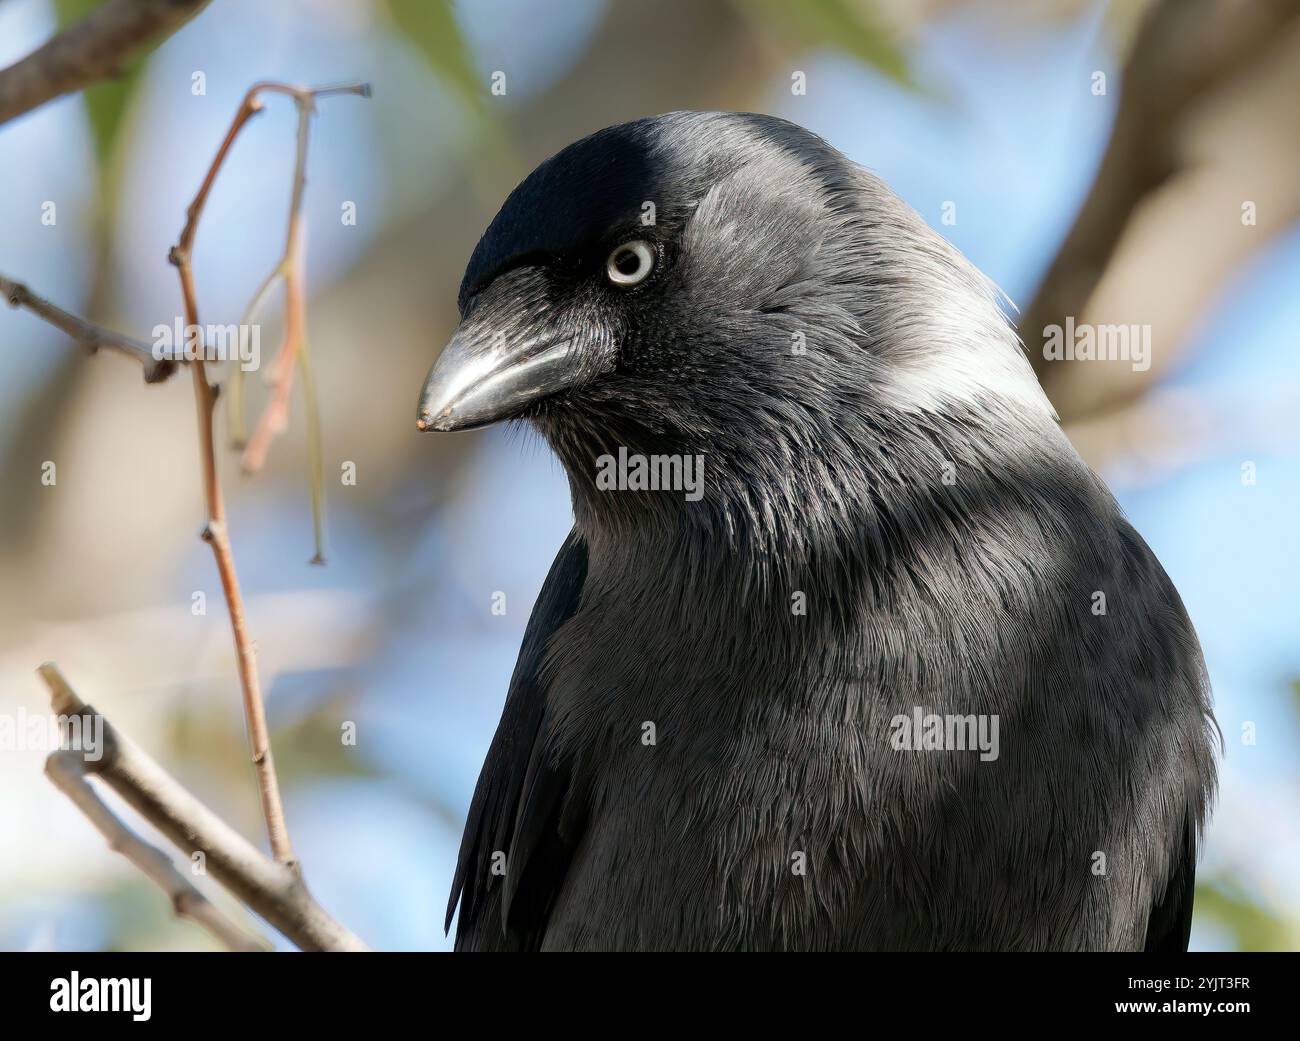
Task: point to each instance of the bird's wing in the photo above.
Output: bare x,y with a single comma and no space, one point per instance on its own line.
1170,924
519,806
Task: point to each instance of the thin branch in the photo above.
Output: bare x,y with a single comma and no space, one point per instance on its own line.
291,268
238,428
274,890
67,771
216,533
275,418
97,48
315,468
92,337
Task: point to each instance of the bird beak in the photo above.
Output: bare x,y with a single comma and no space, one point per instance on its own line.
474,383
500,361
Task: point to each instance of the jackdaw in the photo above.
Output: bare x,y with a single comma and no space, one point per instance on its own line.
901,677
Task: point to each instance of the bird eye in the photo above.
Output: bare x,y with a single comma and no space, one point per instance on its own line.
631,263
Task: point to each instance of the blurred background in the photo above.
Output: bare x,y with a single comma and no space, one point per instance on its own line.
1123,162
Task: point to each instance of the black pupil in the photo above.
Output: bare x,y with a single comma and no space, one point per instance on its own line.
627,262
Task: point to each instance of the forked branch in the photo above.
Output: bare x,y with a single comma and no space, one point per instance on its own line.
273,890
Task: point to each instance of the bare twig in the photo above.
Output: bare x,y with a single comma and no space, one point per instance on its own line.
96,48
315,470
273,890
216,534
290,268
275,417
92,337
238,426
67,771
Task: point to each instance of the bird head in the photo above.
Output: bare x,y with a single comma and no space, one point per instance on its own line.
726,286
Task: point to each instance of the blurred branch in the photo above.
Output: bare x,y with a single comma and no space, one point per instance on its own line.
1156,435
290,269
1184,51
96,48
274,890
215,533
92,337
275,417
67,772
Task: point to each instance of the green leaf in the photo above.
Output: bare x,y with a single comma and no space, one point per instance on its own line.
851,26
1253,927
431,25
106,103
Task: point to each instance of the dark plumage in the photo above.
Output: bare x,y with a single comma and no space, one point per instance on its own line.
905,481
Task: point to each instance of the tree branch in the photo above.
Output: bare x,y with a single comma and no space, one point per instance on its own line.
274,890
216,533
1183,52
92,337
97,48
291,269
67,771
